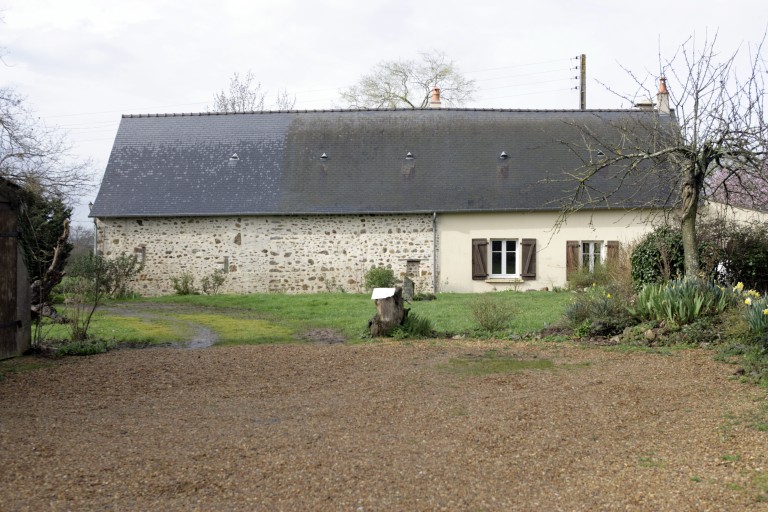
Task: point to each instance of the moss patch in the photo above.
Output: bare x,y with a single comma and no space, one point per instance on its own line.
232,331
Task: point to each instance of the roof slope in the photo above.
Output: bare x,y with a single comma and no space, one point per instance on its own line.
183,165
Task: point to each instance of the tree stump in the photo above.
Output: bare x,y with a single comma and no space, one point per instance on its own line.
390,312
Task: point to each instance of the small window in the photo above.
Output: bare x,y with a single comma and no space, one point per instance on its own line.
591,255
504,257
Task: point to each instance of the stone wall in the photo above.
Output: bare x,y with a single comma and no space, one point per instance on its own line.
293,254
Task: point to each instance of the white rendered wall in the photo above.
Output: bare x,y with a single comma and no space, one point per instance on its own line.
456,231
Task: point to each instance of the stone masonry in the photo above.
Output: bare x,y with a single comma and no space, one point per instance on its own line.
292,254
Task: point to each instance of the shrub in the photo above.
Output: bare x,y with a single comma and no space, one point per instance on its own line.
113,274
490,312
212,283
379,277
658,257
120,271
85,348
582,278
414,326
598,311
728,251
615,274
746,256
87,284
184,285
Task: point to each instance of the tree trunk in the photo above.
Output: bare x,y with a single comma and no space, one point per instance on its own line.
690,209
390,313
41,288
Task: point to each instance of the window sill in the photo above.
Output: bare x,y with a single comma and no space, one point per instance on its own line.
503,280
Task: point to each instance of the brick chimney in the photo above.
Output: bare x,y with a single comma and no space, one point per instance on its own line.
434,102
663,96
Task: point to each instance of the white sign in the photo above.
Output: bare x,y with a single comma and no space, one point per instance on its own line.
382,293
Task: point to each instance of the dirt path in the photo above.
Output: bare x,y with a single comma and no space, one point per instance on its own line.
381,426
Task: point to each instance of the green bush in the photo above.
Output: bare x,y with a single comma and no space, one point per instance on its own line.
120,271
414,326
85,348
490,312
379,277
658,257
681,301
212,283
184,285
746,256
86,285
598,311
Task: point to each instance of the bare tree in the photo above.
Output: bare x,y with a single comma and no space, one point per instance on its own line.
36,157
284,100
409,83
81,238
715,139
246,95
38,161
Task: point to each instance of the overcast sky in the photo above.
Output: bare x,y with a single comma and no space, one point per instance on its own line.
82,63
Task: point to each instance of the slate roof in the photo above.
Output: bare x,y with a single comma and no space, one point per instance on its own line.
183,164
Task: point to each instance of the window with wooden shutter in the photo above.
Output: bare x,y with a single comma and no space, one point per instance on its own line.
529,258
612,251
479,258
571,257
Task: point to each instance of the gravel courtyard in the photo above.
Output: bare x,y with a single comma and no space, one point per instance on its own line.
381,427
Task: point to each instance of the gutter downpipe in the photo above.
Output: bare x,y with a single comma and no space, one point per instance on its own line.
95,229
434,252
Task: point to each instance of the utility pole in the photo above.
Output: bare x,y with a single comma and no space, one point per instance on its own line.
583,86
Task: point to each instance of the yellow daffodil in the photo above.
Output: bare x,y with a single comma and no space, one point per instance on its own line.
765,311
609,295
739,287
748,301
754,293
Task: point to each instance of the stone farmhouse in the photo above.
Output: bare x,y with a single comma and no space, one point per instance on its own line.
307,201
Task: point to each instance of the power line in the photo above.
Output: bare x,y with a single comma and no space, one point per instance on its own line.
549,72
522,65
532,93
86,126
528,84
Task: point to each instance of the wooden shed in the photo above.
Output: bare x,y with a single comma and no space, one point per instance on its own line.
15,316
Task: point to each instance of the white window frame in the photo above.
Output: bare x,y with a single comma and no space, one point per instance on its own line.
591,253
503,252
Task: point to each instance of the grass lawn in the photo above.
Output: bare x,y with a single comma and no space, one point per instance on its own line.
273,317
125,329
